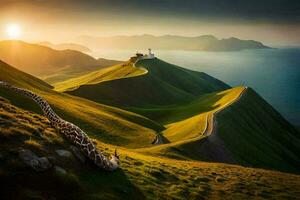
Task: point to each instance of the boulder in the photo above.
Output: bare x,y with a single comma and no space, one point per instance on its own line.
64,153
60,170
77,153
35,162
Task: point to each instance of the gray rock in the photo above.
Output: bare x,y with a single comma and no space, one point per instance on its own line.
35,162
45,163
64,153
77,153
60,170
52,159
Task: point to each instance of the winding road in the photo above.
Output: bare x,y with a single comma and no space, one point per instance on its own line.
211,121
211,117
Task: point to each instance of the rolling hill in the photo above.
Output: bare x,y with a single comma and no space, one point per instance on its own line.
158,95
49,64
119,71
171,42
140,176
66,46
249,132
213,122
112,125
164,84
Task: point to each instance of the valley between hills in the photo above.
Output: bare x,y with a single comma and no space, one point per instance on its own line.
181,134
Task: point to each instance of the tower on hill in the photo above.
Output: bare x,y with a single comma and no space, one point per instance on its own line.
139,56
150,54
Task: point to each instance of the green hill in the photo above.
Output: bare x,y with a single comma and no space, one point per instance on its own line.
252,127
209,122
112,125
49,64
124,70
140,176
249,132
184,102
164,84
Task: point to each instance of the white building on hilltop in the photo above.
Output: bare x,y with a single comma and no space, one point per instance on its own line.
150,55
141,56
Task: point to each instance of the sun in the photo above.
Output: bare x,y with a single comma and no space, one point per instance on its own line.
13,31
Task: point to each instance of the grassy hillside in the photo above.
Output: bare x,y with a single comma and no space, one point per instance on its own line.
164,84
111,125
190,120
249,132
109,73
52,65
181,100
140,176
252,127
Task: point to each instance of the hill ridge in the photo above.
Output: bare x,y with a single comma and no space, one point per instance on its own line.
163,84
112,125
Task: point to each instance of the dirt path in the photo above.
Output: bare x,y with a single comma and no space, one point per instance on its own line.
158,140
211,123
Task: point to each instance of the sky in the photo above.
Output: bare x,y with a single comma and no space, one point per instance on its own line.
274,22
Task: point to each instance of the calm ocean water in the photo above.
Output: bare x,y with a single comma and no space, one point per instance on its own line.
273,73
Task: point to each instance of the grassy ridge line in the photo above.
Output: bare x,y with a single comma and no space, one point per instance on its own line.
257,135
111,125
212,120
140,176
165,84
196,122
121,71
202,135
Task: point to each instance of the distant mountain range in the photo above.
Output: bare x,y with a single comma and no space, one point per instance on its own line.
47,63
171,42
66,46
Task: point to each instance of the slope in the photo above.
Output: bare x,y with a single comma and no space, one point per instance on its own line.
111,125
249,132
140,176
253,128
52,65
164,84
124,70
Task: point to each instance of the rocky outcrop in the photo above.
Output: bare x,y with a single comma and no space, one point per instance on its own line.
35,162
64,153
60,170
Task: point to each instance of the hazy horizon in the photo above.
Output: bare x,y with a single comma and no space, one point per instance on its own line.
39,20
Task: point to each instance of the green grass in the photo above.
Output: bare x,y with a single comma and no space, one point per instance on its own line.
189,120
250,132
111,125
164,84
267,139
49,64
140,176
182,125
124,70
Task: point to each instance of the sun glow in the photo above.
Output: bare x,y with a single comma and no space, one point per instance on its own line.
13,31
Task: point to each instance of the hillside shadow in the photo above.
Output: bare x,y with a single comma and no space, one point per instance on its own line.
174,113
110,185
